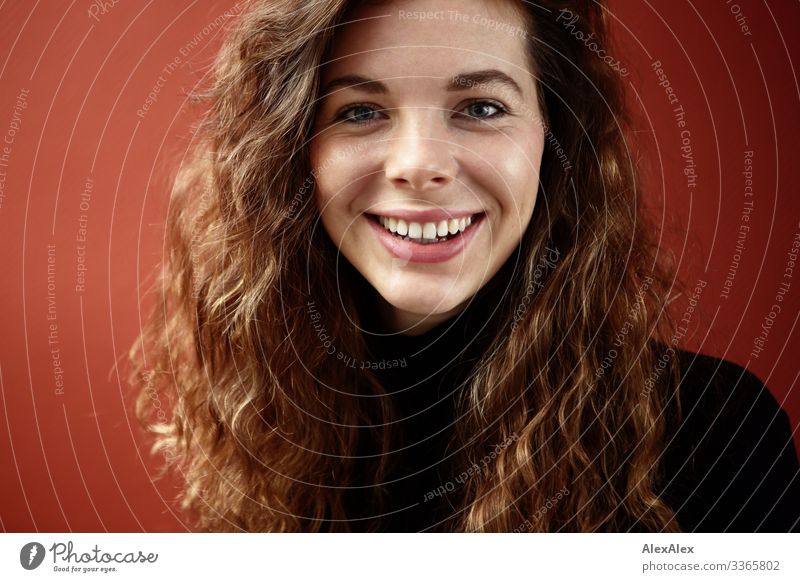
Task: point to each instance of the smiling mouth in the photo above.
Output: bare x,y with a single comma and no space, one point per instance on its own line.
426,233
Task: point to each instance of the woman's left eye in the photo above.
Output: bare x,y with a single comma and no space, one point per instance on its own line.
479,110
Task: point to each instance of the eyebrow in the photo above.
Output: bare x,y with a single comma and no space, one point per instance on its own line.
459,82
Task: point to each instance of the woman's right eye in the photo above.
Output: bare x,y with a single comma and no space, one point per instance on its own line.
361,116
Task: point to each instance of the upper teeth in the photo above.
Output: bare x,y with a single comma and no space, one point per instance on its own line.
425,230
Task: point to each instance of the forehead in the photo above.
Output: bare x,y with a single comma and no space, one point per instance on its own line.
430,37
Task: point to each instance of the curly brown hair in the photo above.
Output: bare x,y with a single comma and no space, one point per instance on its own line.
265,433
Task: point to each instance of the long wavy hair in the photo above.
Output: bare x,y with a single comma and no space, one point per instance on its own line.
264,430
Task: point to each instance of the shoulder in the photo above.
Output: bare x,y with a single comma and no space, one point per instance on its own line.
730,462
714,389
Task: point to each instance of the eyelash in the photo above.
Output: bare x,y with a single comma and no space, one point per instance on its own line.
341,116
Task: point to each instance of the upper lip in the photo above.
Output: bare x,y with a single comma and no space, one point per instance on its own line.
429,215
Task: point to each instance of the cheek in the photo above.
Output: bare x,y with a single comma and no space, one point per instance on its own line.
335,191
524,182
336,174
324,192
515,181
327,181
330,215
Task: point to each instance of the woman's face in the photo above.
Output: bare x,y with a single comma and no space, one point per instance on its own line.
426,151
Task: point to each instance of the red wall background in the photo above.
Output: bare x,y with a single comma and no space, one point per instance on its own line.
74,82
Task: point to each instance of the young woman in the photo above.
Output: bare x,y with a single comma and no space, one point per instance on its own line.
410,288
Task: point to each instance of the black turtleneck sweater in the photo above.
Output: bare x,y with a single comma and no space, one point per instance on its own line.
423,389
729,465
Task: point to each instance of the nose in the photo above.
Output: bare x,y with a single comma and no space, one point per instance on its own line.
420,156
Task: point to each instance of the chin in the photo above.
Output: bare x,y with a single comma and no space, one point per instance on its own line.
423,300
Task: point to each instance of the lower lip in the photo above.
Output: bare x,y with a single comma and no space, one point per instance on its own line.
426,253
